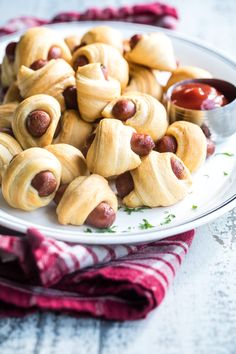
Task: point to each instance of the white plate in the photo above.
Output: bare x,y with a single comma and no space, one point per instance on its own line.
214,188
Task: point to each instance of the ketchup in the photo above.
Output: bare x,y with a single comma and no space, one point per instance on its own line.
198,96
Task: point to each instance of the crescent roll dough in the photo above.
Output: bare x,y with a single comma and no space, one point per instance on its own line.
110,153
16,181
43,103
150,116
144,80
36,43
7,114
104,34
94,91
82,196
155,183
7,73
9,147
185,73
73,130
73,42
72,161
12,94
153,50
191,143
52,79
107,55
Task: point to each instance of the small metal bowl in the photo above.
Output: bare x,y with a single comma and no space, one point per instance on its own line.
221,121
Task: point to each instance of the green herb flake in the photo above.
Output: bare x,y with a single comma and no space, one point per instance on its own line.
229,154
129,211
168,219
110,230
145,225
88,230
194,207
225,173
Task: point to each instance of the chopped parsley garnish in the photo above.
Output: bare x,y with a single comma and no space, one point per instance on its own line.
229,154
194,207
145,225
88,230
225,173
108,229
129,211
168,219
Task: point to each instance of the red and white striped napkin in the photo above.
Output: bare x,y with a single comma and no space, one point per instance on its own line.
155,13
117,282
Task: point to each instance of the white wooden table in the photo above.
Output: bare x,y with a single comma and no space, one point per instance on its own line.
198,315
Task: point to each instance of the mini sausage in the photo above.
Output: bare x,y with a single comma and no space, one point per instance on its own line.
38,64
45,183
166,144
11,51
54,53
101,217
59,193
177,168
124,184
134,40
124,109
37,123
142,144
80,61
70,97
210,147
87,144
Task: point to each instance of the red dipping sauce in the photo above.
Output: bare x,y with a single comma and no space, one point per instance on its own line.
198,96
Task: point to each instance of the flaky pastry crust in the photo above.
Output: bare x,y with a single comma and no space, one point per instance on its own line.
44,103
191,143
110,153
155,183
16,180
82,196
72,161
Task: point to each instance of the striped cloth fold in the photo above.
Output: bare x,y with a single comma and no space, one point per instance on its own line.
155,13
116,282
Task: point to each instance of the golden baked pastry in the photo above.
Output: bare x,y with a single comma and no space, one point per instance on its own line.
72,161
35,121
153,50
31,179
52,79
147,116
104,34
73,42
6,114
104,54
185,73
37,43
144,80
110,153
7,74
82,196
94,90
9,147
73,130
191,143
155,182
12,94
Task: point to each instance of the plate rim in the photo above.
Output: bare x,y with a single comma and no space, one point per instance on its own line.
150,234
